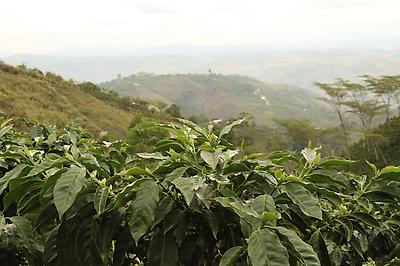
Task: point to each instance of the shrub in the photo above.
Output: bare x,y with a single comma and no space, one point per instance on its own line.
70,199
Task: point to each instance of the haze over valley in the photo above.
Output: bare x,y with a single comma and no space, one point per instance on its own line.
298,68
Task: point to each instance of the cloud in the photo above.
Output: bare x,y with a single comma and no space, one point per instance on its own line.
153,7
42,25
110,23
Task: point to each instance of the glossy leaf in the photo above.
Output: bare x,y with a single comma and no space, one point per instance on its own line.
230,256
308,255
100,199
211,158
317,241
229,127
142,209
187,186
304,199
265,249
67,188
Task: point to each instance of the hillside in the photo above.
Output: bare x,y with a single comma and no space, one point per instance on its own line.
297,68
47,98
223,97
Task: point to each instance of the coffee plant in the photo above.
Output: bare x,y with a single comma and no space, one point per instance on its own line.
67,198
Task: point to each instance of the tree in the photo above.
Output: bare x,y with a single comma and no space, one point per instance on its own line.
359,99
336,94
174,111
300,132
363,103
386,88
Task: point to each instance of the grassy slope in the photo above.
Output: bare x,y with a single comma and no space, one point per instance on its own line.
220,96
49,99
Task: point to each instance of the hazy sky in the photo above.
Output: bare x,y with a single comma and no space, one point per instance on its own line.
41,26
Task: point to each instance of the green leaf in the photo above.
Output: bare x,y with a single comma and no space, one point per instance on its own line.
325,176
308,255
382,192
162,210
45,165
84,242
76,238
264,205
317,241
230,256
30,239
211,158
48,187
366,218
50,248
136,171
373,167
229,127
67,188
19,170
356,245
243,210
206,193
163,250
333,197
2,223
236,168
4,130
20,188
127,193
193,126
100,199
390,173
347,227
187,186
142,210
304,199
334,161
154,156
265,249
177,173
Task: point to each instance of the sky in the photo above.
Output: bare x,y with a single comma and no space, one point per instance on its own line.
62,26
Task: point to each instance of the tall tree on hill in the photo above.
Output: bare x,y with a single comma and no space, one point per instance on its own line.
365,105
386,88
336,95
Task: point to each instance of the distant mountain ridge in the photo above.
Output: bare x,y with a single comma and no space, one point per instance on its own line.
226,96
301,68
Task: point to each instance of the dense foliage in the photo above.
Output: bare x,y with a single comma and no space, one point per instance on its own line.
144,132
367,100
69,199
387,143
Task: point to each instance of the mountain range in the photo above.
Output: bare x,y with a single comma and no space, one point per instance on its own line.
225,96
301,68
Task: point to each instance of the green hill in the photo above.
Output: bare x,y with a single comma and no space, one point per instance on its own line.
47,98
226,96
